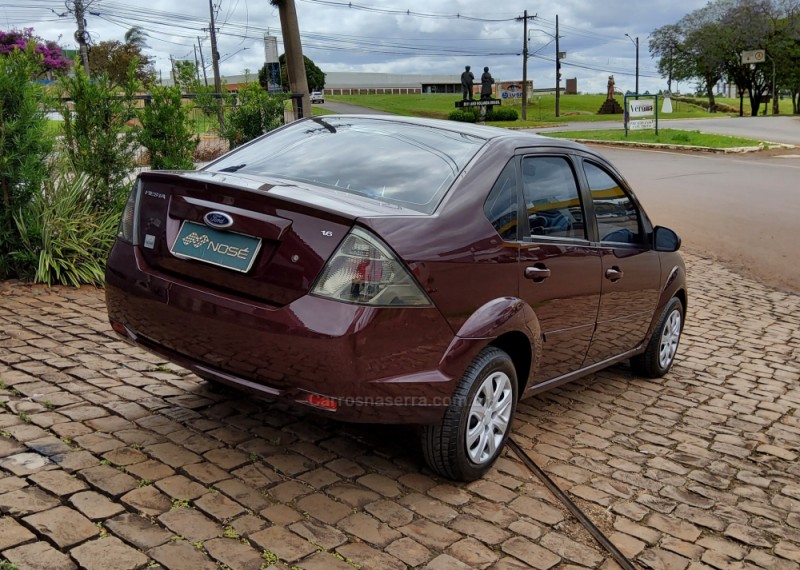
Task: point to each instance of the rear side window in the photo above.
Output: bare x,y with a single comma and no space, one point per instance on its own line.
401,163
617,216
501,206
551,198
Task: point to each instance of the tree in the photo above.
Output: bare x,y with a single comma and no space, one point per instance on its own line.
97,139
258,112
114,58
50,55
691,49
185,75
24,146
707,44
314,75
136,36
166,131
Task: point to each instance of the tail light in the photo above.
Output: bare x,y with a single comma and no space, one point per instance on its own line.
363,270
127,223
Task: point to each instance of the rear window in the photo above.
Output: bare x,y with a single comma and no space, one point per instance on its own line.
409,165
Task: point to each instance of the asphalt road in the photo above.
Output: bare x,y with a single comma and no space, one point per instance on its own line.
780,129
739,209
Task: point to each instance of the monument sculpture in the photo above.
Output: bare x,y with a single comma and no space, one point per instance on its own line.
610,105
486,84
467,79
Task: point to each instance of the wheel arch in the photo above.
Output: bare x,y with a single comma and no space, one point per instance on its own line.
518,347
509,324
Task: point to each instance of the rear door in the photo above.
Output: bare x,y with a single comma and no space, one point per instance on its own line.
631,269
560,270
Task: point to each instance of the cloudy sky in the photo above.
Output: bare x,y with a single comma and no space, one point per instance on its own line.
401,36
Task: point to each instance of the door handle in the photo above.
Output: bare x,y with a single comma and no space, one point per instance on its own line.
537,272
614,273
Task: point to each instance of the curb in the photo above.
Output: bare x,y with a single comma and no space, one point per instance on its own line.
710,150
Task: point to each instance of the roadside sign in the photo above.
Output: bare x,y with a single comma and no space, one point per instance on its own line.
753,56
641,112
641,107
642,124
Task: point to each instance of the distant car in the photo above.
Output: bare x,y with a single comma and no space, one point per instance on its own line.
317,97
399,270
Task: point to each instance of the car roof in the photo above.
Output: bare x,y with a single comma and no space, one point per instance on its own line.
515,137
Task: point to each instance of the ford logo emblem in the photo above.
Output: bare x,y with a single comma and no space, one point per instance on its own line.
218,220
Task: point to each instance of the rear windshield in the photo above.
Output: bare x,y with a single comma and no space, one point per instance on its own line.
405,164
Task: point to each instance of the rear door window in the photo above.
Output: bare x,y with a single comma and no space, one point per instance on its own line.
501,207
551,197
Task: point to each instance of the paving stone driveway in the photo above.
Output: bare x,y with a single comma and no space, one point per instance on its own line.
112,458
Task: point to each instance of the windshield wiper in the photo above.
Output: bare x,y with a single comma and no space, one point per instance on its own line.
233,168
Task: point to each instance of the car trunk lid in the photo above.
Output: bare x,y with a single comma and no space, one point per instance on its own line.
273,236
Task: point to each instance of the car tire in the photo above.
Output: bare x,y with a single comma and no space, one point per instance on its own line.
659,355
470,438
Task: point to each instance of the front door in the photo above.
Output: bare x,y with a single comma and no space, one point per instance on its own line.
630,268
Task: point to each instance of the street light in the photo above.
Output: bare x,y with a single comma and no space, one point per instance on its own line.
636,43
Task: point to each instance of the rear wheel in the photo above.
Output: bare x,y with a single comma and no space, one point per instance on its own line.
657,359
475,426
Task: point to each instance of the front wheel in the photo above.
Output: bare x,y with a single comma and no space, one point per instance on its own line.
477,422
657,359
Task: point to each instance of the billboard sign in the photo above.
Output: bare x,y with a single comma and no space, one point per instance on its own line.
512,90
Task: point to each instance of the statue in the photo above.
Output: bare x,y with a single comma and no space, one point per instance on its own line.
466,84
486,84
610,94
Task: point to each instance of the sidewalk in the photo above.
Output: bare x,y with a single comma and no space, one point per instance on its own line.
112,458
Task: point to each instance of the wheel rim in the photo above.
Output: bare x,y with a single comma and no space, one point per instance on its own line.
669,339
489,417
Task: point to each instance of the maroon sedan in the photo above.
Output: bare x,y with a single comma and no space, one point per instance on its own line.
387,269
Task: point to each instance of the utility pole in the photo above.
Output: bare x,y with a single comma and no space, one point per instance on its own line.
215,65
525,19
558,74
202,61
636,43
295,63
196,65
637,65
81,35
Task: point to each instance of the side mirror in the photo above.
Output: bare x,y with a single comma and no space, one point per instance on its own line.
665,239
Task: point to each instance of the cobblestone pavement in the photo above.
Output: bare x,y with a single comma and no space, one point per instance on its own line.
112,458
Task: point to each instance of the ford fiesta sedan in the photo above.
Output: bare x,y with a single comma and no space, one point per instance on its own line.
398,270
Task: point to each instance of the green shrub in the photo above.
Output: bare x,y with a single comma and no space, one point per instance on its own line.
97,139
63,238
257,112
502,114
25,143
462,116
166,131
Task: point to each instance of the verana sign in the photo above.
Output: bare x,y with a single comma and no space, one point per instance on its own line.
641,107
637,107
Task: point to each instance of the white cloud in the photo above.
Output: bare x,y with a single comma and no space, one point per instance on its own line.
347,39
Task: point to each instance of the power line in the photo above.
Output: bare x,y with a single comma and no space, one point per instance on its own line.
353,6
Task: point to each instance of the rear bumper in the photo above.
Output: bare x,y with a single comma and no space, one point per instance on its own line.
381,365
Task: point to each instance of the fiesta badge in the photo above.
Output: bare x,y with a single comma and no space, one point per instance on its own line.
218,220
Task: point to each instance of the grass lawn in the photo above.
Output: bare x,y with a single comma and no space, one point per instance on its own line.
665,136
784,105
541,109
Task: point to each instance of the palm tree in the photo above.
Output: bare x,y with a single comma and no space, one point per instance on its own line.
136,36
